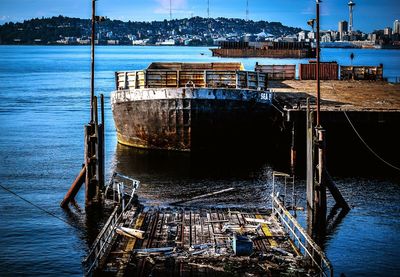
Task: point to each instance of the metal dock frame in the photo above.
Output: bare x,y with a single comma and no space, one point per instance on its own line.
301,239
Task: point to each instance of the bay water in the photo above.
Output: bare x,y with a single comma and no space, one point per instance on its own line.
44,103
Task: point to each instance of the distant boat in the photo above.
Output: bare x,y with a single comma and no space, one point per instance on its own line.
266,49
201,53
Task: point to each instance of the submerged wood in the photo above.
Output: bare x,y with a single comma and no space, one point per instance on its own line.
202,196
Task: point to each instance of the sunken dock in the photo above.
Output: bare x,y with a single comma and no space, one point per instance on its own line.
179,240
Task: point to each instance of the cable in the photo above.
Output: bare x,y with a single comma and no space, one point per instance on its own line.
36,206
366,145
362,140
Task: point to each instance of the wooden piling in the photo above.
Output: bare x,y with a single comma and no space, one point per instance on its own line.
73,190
321,189
293,151
340,201
90,162
101,144
310,156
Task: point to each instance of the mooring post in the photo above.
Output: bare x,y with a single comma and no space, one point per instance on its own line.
101,155
310,155
293,152
321,188
91,158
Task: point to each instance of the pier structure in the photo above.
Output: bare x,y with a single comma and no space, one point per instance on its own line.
182,239
92,172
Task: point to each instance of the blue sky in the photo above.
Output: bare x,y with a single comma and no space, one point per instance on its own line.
368,14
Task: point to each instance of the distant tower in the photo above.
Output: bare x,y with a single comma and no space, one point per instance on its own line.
342,28
208,8
247,10
170,9
351,5
396,27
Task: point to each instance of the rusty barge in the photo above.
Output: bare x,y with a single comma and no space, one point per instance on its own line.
191,106
267,49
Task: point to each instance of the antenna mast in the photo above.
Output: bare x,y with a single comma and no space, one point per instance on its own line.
170,10
92,58
318,69
247,10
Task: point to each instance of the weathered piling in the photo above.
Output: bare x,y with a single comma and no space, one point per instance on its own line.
94,157
76,185
320,191
93,172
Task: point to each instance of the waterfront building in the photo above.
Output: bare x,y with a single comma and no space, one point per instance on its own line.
342,28
387,31
396,27
301,36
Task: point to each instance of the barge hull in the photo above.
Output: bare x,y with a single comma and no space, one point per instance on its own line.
198,119
268,53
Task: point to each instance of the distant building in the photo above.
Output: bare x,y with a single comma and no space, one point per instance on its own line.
396,27
311,35
387,31
343,28
326,38
301,36
113,42
372,37
169,42
335,35
139,42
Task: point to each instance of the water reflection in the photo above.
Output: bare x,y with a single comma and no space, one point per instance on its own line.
168,176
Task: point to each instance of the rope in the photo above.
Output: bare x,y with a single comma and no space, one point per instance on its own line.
36,206
366,145
362,140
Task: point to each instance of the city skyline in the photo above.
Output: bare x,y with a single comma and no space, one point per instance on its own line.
379,14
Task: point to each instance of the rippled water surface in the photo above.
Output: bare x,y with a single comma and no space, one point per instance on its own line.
44,96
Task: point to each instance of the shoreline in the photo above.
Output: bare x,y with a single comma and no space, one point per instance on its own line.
186,46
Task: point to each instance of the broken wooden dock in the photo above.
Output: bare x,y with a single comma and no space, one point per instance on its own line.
186,241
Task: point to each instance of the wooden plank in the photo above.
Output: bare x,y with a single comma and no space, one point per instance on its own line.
127,251
267,232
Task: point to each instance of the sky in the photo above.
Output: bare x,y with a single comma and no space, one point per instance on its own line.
369,15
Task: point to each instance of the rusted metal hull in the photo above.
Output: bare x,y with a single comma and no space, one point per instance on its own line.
191,119
268,53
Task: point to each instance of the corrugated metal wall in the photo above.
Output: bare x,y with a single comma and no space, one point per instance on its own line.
278,72
328,71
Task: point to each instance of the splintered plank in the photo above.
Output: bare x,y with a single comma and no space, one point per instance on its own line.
127,252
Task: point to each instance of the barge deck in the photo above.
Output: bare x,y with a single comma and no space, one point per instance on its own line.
339,95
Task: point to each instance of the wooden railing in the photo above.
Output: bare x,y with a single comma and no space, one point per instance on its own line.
301,239
156,78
